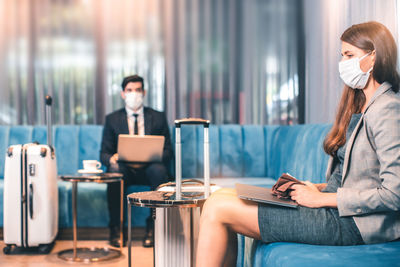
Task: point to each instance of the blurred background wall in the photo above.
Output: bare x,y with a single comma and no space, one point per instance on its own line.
231,61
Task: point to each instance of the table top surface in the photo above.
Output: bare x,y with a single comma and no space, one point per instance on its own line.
162,199
105,177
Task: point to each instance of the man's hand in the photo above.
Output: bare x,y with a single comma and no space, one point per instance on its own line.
113,159
308,195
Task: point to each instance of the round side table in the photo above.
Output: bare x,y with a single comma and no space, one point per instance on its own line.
93,254
173,217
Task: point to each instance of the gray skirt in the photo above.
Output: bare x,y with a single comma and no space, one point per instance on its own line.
322,226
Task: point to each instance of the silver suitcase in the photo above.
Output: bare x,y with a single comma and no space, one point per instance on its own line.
176,228
31,195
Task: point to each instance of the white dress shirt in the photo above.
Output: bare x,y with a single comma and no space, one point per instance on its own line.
131,120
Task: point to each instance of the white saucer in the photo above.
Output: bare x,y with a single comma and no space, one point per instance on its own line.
83,171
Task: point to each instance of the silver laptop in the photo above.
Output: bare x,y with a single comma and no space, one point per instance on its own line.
263,195
140,148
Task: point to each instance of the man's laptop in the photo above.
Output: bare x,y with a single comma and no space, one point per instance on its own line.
263,195
140,148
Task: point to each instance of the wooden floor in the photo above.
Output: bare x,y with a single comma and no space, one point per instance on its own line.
141,257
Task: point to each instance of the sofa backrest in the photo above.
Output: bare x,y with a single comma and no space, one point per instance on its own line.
235,150
257,151
297,150
73,143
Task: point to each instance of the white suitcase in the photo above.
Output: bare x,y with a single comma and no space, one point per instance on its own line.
31,196
177,228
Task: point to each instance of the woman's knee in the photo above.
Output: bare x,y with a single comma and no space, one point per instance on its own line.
217,207
224,192
210,211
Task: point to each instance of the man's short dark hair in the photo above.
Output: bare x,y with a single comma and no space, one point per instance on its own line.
130,79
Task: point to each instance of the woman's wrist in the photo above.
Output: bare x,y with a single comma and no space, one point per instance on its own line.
328,200
320,186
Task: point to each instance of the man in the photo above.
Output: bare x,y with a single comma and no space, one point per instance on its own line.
134,118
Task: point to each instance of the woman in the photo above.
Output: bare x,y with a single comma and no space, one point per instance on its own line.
360,202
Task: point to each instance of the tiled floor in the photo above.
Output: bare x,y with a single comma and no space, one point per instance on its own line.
141,257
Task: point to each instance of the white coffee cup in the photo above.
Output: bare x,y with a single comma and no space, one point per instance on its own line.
91,165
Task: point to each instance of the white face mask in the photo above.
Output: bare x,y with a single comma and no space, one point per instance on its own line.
134,100
351,73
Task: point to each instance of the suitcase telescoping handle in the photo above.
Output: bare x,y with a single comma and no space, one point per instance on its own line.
178,160
48,101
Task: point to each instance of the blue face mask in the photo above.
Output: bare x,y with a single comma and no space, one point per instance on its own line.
351,73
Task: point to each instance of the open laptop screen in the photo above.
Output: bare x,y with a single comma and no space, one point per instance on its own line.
140,149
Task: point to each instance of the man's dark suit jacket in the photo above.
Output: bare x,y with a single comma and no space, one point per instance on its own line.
155,123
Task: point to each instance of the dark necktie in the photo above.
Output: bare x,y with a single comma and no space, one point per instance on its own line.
136,126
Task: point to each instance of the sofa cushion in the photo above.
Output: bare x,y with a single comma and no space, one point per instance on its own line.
192,147
66,142
254,151
214,147
92,205
39,134
64,204
188,151
293,255
231,140
89,143
20,135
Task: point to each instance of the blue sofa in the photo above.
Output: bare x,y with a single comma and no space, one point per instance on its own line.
255,155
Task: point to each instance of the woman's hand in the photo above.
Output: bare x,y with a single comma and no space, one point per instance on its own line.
308,195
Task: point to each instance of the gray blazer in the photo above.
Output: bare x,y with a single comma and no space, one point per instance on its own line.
370,188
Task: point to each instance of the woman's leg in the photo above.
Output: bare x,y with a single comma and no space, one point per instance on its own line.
224,215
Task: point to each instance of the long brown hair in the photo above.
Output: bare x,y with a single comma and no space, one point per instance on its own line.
367,36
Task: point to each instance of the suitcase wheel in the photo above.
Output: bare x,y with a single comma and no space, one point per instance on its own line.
45,248
7,249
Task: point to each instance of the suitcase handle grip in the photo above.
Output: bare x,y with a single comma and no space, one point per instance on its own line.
31,201
180,122
48,100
